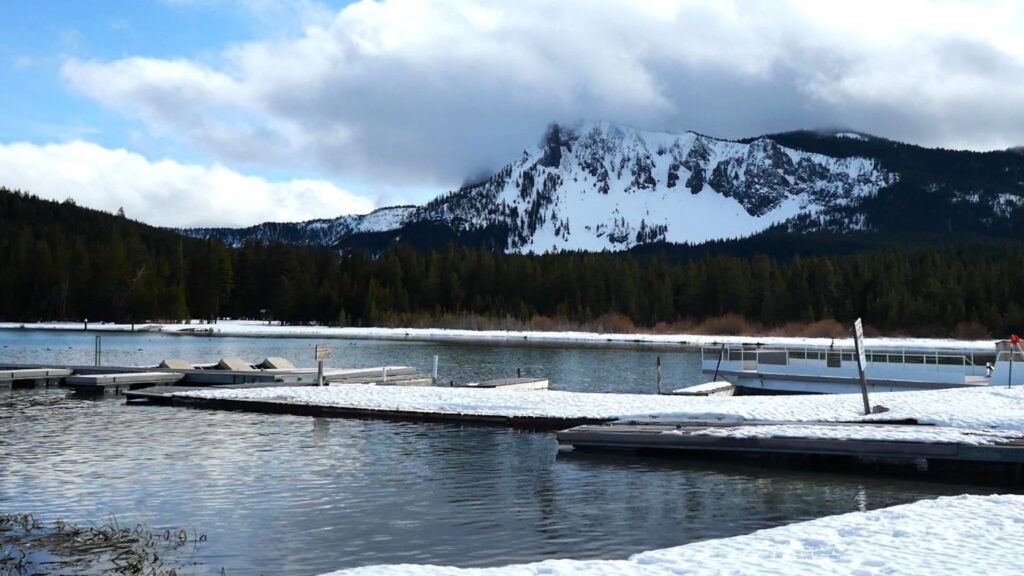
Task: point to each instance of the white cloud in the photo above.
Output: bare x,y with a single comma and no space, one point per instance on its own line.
408,91
166,192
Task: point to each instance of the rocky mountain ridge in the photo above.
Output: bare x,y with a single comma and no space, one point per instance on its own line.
599,186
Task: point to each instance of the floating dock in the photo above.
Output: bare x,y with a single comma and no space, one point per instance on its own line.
509,384
713,439
708,389
328,411
100,383
31,377
230,371
163,395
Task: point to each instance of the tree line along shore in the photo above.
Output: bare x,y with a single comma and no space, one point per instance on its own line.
59,261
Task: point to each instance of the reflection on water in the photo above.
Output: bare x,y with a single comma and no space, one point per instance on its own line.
280,494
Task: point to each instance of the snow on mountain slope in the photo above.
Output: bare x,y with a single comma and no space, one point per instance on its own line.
600,186
323,232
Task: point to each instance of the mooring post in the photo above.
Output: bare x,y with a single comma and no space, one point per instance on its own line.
435,368
385,374
659,374
721,352
519,372
858,344
98,350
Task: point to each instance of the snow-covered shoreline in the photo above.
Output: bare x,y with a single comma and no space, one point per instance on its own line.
949,535
245,328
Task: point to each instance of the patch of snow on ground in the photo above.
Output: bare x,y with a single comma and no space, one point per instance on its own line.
950,535
974,408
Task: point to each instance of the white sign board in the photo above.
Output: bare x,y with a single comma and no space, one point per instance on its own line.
323,352
858,333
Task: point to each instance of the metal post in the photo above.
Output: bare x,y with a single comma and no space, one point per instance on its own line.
717,366
385,374
519,372
321,352
659,374
858,334
435,368
97,350
1009,379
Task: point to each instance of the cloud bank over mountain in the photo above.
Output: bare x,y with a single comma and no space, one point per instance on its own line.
429,93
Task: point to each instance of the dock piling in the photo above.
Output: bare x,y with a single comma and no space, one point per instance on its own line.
434,373
659,374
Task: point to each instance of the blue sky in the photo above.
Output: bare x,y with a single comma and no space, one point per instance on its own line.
231,112
37,37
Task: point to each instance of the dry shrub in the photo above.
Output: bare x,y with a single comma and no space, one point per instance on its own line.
727,325
825,329
613,323
677,327
971,331
542,324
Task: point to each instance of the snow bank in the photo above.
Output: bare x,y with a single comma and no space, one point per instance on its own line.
255,328
971,408
951,535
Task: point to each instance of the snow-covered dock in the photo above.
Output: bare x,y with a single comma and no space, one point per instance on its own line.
945,430
951,535
932,450
976,408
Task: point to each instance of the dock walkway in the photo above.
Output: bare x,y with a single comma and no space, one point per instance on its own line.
100,383
890,442
29,377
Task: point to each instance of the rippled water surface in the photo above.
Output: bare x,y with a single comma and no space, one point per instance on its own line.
280,494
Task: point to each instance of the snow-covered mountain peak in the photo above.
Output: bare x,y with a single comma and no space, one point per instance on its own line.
597,185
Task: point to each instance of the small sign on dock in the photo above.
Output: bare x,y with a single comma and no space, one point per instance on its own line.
322,352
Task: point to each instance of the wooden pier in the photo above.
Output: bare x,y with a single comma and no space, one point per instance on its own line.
689,439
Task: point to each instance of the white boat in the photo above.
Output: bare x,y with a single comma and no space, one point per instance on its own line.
833,370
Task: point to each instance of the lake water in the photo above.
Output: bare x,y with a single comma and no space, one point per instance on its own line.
278,494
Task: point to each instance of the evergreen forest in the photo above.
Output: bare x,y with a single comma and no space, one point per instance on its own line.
59,261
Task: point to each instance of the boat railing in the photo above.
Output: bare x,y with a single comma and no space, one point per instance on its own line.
1010,356
836,356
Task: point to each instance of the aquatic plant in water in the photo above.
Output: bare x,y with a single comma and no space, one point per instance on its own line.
29,546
